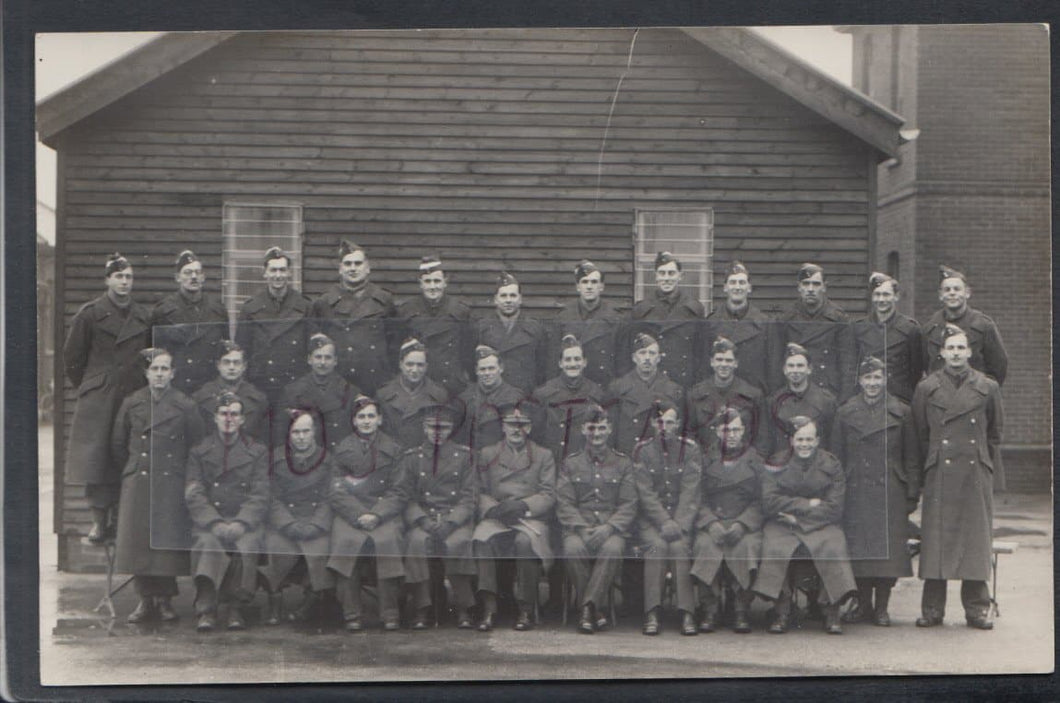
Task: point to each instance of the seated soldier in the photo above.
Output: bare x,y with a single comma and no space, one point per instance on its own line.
402,398
484,399
516,493
667,468
368,496
298,530
729,524
227,492
323,390
802,502
440,514
597,503
231,371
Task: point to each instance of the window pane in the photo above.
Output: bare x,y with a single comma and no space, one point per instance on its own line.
248,231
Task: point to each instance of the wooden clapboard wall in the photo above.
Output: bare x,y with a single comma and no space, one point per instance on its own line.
487,147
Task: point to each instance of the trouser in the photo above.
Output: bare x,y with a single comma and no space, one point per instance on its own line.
710,595
975,597
657,556
348,590
462,595
208,595
102,495
882,588
593,577
527,567
155,586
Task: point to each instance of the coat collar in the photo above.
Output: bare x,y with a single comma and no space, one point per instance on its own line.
955,402
869,419
739,471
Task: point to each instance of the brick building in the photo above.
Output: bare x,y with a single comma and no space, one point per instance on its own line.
972,191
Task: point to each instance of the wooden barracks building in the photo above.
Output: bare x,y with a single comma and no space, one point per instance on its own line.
497,149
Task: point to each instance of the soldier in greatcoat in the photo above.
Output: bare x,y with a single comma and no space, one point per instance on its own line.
354,313
227,494
593,320
741,322
231,378
724,389
272,327
402,398
667,468
631,397
191,324
324,390
891,337
674,318
516,486
484,399
101,359
440,514
958,418
820,326
154,429
560,405
728,541
520,341
984,341
798,396
802,502
875,442
443,324
368,497
597,504
298,526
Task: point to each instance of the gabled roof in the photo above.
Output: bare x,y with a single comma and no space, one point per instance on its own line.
841,104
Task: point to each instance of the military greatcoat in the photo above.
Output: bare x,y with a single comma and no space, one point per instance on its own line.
272,333
332,397
446,330
522,350
192,332
827,337
596,490
707,402
815,402
630,400
482,413
900,343
559,410
988,353
357,322
753,334
676,322
401,408
255,407
596,330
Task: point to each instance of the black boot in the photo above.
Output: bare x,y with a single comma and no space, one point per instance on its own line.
880,616
274,608
165,609
145,610
585,622
831,620
862,609
305,608
98,533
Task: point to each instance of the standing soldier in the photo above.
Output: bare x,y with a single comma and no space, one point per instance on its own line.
797,397
354,314
154,429
958,418
516,494
891,337
322,390
191,324
442,323
272,328
822,327
674,318
231,369
724,389
563,402
984,341
227,493
631,397
597,503
100,357
667,468
591,319
519,340
728,541
741,322
876,445
484,400
440,514
403,397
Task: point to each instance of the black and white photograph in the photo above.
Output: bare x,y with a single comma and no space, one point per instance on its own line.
492,354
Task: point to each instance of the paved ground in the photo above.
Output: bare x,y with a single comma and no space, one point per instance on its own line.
78,646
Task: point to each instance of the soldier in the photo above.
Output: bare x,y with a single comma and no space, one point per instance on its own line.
741,322
272,328
152,433
561,404
984,341
100,358
728,540
227,493
298,528
516,494
353,313
597,503
631,397
403,397
958,418
519,340
876,445
798,397
674,318
591,319
667,469
822,327
442,323
440,514
191,324
802,501
368,497
891,337
322,390
231,370
724,389
484,399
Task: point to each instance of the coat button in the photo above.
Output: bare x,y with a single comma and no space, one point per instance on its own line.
973,420
973,441
947,461
143,453
143,473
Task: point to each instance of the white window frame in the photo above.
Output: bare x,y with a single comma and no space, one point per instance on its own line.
696,258
241,265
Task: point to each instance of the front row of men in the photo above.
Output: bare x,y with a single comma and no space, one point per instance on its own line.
331,518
